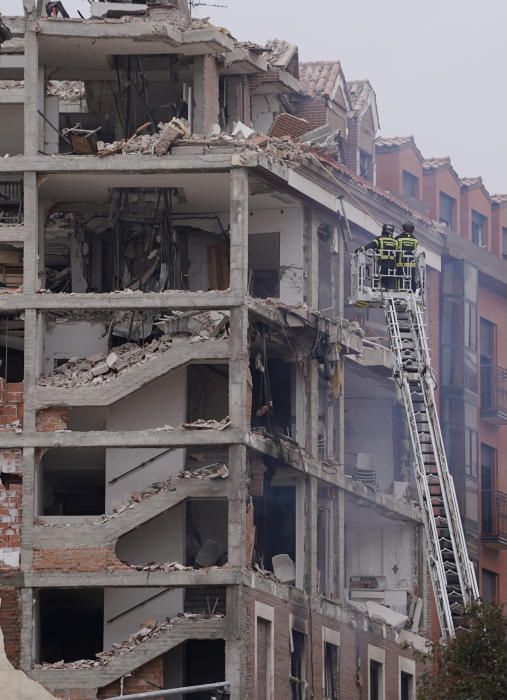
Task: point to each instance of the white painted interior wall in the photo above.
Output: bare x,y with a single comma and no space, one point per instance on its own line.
377,546
64,340
162,403
289,222
162,539
369,424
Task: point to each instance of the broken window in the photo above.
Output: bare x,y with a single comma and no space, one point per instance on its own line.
297,665
366,165
447,210
207,392
331,671
71,624
72,481
12,334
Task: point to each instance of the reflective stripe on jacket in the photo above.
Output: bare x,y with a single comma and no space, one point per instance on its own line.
407,247
387,247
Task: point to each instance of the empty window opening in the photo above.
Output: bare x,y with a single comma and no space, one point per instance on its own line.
406,686
11,201
264,265
12,334
272,399
72,481
325,265
297,665
275,531
331,671
196,662
205,600
206,533
71,624
207,392
376,680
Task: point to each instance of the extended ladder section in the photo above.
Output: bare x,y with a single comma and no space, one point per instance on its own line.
452,572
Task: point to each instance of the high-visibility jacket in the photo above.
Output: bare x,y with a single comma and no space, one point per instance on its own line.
407,249
387,247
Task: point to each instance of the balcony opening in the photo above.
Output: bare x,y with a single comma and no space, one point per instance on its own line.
206,532
196,662
70,624
71,481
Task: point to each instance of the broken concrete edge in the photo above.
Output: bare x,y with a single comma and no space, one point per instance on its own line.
150,629
210,472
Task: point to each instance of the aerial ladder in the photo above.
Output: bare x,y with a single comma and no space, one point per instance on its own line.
452,573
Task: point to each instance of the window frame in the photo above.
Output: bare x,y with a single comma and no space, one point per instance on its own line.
479,228
408,667
332,638
378,656
444,197
410,184
267,614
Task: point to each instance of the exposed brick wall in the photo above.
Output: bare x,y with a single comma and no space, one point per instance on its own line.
11,491
53,418
352,145
77,559
10,622
314,110
11,402
288,125
146,678
353,650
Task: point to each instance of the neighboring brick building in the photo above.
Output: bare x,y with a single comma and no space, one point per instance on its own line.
472,346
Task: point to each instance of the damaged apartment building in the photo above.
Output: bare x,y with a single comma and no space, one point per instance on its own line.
190,492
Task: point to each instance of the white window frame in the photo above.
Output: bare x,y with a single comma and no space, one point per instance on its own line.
329,636
266,613
406,666
378,655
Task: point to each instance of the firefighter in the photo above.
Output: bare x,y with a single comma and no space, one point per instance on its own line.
407,256
387,249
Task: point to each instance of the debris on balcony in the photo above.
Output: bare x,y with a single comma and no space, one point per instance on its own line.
101,368
149,630
152,144
211,471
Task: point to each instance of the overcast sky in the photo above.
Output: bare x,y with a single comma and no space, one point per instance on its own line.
437,66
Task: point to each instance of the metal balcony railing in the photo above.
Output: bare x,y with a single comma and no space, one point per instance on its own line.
494,393
494,518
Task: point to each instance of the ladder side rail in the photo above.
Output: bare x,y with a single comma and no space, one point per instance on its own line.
465,569
436,564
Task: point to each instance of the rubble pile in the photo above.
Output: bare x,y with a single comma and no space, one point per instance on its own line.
101,368
149,630
149,144
66,90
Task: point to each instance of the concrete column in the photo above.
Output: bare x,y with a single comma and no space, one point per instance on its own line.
31,223
34,88
235,645
310,549
206,107
27,629
30,369
311,247
239,230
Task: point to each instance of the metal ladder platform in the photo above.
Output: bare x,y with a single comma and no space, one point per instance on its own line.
452,573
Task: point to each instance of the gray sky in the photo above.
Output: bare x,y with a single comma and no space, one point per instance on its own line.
437,66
